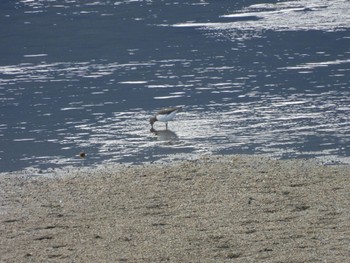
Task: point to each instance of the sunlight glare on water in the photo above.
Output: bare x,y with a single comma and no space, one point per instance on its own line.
264,78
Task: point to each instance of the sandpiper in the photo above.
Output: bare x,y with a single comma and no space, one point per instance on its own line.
165,115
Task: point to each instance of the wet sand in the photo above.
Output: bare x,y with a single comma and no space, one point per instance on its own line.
215,209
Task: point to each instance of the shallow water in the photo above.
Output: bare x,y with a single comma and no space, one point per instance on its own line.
252,77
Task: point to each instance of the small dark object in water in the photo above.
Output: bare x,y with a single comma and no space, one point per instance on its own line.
82,155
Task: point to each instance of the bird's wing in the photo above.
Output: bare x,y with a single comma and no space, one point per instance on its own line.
168,110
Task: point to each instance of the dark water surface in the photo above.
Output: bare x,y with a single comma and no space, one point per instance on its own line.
262,77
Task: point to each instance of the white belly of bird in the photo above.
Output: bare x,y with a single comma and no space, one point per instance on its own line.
166,117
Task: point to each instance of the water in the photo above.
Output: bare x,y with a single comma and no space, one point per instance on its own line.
255,77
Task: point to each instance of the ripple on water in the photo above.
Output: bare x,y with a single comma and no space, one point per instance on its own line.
246,90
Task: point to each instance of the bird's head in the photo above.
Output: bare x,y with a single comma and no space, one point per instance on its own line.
152,120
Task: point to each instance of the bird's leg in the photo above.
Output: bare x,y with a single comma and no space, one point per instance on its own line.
166,125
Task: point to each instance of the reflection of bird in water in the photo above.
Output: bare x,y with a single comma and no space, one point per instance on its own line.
165,115
165,135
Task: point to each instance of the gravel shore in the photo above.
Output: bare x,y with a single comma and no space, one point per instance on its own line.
215,209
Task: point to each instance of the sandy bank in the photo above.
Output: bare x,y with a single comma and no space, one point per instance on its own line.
217,209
